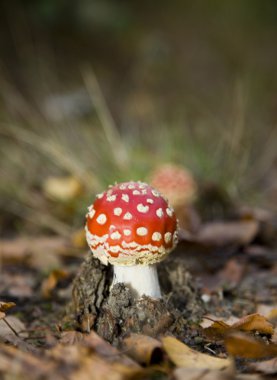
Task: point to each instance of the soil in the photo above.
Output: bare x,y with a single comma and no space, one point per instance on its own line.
114,313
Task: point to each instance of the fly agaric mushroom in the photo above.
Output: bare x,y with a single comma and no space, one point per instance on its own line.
179,187
132,227
176,183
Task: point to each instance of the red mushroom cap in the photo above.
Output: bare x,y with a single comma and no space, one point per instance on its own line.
176,183
131,224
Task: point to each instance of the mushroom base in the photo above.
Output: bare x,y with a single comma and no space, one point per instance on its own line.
141,279
115,312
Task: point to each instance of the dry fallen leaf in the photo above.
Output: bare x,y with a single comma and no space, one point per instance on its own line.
143,349
247,376
24,365
26,249
105,349
51,281
93,367
232,272
93,359
183,356
269,311
225,233
17,327
216,331
268,367
203,374
62,189
18,285
274,336
71,337
251,322
4,306
244,346
209,319
254,322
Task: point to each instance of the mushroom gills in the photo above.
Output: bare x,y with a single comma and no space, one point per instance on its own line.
142,279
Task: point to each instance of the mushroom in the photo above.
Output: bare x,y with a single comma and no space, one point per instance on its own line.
176,183
179,187
132,227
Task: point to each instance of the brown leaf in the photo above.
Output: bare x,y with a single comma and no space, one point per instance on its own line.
269,311
232,272
217,330
93,359
143,349
24,365
2,315
4,306
204,373
274,336
71,337
249,323
183,356
27,249
225,233
268,367
62,189
244,346
254,322
247,376
17,285
93,367
105,349
51,281
17,327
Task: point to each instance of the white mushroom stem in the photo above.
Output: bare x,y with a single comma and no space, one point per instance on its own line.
142,279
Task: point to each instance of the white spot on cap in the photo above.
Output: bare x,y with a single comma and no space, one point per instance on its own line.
122,187
127,216
115,249
155,193
111,198
142,208
117,211
160,212
169,211
125,197
156,236
136,192
115,235
142,231
127,232
149,200
91,212
131,186
99,196
142,185
144,191
167,237
101,219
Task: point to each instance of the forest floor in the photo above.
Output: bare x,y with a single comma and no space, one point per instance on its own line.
222,281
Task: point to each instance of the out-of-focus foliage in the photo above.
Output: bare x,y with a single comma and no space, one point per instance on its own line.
192,83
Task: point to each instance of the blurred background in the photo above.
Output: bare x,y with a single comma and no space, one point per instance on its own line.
98,91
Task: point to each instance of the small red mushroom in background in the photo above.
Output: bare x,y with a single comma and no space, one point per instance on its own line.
179,187
132,227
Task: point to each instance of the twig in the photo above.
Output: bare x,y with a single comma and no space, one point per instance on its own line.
8,324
